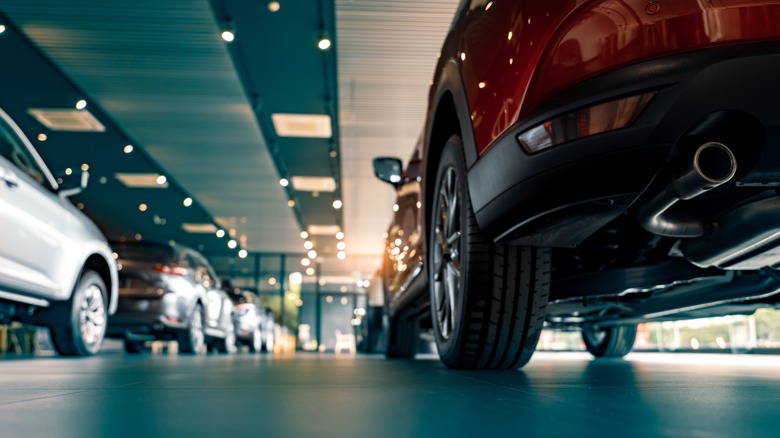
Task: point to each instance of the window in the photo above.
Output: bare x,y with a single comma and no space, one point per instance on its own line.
12,149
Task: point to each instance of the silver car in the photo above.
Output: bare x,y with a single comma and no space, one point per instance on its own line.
56,268
170,292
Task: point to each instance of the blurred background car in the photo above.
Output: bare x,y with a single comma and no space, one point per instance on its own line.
56,268
170,292
269,330
248,319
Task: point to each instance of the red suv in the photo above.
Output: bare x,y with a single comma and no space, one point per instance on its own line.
588,165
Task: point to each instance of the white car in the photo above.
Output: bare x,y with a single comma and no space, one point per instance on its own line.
56,268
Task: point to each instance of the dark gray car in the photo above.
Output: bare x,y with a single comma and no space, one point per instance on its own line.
56,268
170,292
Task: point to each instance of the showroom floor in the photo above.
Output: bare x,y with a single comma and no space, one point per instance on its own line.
557,394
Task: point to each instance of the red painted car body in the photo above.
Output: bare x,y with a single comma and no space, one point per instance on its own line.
601,163
524,52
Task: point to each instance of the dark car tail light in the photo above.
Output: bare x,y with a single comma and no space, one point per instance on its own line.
173,270
596,119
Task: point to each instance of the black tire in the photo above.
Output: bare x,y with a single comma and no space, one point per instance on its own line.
402,335
487,300
87,318
134,347
192,340
615,341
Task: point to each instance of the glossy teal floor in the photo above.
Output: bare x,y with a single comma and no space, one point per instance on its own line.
557,394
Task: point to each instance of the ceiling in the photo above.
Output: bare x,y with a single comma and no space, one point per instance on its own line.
198,110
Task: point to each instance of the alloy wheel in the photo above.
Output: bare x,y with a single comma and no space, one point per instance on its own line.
92,316
594,336
446,253
196,331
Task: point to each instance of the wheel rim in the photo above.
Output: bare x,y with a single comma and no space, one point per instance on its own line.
257,342
446,253
595,337
196,331
230,338
92,316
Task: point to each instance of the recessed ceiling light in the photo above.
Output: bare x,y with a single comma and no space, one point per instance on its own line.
187,202
333,154
161,179
302,125
42,137
58,119
314,183
324,43
395,207
142,207
308,244
128,149
310,271
141,180
274,6
228,35
243,253
232,244
199,228
2,28
337,204
339,235
312,254
85,167
220,233
81,104
291,203
305,261
68,171
304,235
324,230
341,246
138,236
283,182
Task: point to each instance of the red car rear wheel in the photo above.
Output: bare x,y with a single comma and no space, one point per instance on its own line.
487,300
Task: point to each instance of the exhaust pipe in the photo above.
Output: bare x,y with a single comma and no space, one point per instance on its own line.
713,164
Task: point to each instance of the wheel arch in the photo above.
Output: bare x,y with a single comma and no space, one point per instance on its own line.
450,116
99,264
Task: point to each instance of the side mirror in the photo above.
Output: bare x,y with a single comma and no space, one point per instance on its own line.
68,190
388,169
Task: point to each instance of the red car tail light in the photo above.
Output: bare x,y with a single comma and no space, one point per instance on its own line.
245,308
596,119
173,270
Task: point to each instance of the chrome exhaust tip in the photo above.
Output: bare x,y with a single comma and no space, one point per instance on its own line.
713,164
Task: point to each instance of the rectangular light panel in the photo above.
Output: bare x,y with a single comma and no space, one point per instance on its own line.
199,228
302,125
313,183
73,120
141,180
323,230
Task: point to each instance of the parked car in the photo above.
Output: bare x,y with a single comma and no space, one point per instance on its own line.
269,330
591,165
170,292
56,268
249,319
